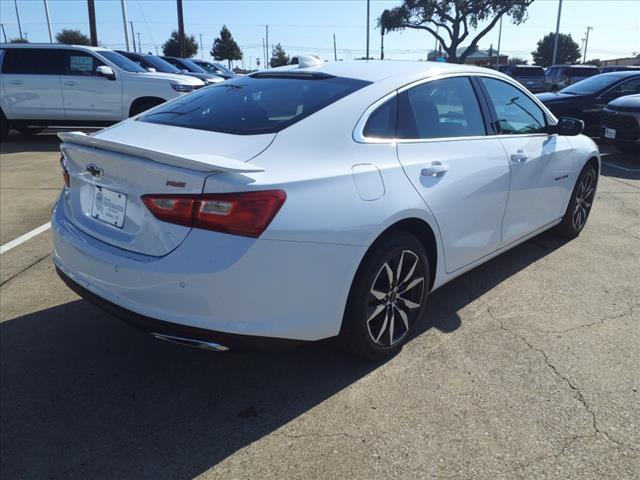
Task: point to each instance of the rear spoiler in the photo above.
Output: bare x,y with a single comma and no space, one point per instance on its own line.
204,162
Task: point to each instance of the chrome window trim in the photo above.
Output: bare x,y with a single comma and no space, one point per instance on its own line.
358,130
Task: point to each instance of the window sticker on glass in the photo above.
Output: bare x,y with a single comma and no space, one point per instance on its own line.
81,63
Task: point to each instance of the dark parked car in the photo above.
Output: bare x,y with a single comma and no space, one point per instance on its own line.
215,68
560,76
188,66
621,123
619,68
152,62
531,76
586,99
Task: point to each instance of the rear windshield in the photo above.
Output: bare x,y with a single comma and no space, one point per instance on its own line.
248,105
121,61
584,71
528,72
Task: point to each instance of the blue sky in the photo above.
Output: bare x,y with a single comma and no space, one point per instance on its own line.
306,27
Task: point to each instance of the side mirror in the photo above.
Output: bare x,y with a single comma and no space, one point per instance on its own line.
106,72
566,126
151,69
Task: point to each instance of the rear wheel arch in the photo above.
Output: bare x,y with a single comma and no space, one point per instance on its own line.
141,104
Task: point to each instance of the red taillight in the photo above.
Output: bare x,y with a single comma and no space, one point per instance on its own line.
245,213
65,172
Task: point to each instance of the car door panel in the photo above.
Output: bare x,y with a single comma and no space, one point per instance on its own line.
88,96
461,173
31,84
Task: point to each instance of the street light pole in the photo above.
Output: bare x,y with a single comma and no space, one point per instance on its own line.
15,3
368,8
555,41
180,28
201,50
586,42
133,36
124,24
499,39
92,22
46,11
139,44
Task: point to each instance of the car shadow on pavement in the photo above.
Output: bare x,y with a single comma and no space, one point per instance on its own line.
17,143
616,164
85,396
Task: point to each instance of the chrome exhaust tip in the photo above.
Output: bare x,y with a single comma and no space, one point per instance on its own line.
190,342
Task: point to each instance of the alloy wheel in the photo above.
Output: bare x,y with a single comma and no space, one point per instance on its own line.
583,200
395,298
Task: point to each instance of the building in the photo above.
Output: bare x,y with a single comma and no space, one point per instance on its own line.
620,61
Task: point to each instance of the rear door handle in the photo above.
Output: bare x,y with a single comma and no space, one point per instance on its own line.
519,157
70,83
436,168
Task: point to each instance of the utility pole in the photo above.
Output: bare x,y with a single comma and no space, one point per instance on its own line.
92,22
46,12
586,42
555,41
368,5
201,50
133,36
139,43
124,24
381,43
15,3
180,28
499,38
266,47
3,32
335,52
264,52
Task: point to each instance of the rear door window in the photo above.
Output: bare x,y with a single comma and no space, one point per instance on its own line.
440,109
33,61
516,112
255,104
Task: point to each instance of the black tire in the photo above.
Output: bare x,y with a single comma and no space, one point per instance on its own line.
4,127
29,130
377,307
577,213
628,147
143,105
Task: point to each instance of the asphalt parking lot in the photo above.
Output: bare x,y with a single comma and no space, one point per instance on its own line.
529,367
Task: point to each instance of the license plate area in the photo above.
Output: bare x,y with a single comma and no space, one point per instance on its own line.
109,206
610,133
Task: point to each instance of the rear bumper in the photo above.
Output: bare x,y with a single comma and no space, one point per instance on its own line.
216,282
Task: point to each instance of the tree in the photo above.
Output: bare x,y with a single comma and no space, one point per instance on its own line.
225,47
568,50
278,57
18,40
171,48
594,61
72,37
517,61
455,18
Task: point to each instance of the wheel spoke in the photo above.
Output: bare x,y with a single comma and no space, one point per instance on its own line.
377,294
382,328
412,270
376,312
408,303
399,271
387,269
404,317
414,282
391,325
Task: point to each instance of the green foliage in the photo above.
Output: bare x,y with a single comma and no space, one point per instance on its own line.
278,57
453,19
517,61
72,37
568,50
595,61
18,40
225,47
171,48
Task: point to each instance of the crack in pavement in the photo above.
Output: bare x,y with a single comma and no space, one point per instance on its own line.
578,393
25,269
597,322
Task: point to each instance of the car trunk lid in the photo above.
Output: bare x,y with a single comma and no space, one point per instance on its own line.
111,171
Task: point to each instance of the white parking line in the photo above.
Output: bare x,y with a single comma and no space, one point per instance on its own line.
23,238
613,165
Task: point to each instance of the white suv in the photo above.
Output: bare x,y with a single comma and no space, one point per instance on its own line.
51,85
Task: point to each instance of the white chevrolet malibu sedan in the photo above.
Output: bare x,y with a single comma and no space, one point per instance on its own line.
309,202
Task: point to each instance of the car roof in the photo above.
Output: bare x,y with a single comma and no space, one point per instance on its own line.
376,70
52,45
